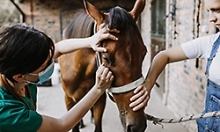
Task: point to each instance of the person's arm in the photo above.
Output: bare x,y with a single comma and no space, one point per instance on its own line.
142,93
70,45
104,79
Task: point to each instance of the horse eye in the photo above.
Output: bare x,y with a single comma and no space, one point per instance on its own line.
107,60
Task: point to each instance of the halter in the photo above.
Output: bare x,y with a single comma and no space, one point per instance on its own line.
120,89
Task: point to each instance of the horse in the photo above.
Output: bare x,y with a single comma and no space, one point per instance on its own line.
124,58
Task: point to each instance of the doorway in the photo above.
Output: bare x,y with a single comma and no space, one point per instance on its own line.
158,30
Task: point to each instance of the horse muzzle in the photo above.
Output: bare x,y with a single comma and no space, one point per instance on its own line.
136,127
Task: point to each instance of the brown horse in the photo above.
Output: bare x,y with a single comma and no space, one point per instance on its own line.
124,58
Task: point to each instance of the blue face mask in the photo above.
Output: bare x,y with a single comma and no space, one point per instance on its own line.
43,75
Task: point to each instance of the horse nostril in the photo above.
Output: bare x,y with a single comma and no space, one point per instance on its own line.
135,128
128,129
131,128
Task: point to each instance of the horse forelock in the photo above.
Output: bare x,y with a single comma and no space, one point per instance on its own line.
120,19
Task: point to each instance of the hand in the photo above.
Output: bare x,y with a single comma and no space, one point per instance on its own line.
103,33
140,99
104,78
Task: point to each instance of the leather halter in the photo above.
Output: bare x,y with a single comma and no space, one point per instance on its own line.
120,89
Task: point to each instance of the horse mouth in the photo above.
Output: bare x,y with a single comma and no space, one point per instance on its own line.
136,128
133,124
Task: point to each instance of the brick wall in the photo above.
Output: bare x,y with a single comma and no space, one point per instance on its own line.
51,16
45,15
184,83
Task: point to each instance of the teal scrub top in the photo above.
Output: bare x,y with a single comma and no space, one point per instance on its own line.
15,116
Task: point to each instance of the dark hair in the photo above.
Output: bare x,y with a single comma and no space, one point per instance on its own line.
23,49
120,19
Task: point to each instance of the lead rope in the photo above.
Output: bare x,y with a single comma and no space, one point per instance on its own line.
159,121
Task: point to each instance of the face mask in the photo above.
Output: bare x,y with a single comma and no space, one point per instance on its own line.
43,75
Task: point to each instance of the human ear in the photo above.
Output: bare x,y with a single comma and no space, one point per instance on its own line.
18,77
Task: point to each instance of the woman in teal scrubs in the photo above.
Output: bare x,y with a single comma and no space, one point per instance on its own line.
26,59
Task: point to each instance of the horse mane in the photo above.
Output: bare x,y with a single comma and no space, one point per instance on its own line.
81,25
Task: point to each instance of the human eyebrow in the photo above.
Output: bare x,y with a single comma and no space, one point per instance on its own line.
214,9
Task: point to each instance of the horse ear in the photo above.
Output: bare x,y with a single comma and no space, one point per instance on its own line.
137,9
94,12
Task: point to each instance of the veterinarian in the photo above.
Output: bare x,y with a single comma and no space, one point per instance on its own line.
27,59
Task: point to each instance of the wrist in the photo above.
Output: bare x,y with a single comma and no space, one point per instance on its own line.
90,41
97,90
93,40
149,83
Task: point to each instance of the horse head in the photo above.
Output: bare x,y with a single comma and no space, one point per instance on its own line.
124,57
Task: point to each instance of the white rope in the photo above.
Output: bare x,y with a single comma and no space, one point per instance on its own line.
156,120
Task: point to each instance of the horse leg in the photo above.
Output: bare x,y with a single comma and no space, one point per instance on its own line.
69,104
92,115
98,110
81,124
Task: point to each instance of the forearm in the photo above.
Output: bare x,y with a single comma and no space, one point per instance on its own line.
160,61
158,64
70,45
